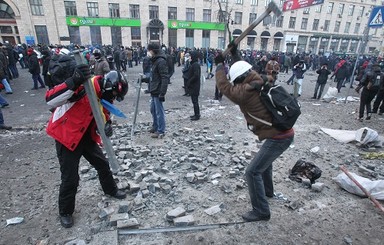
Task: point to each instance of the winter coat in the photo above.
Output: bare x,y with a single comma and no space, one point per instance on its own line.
71,120
194,74
248,99
34,65
272,66
299,71
323,75
100,66
160,75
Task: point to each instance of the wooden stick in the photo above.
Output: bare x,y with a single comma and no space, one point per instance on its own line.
377,204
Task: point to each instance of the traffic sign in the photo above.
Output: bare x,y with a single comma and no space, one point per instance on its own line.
376,19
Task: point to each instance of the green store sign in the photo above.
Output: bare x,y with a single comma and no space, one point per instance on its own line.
177,24
89,21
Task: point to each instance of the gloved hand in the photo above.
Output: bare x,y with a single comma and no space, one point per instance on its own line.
81,74
219,59
233,48
108,129
161,97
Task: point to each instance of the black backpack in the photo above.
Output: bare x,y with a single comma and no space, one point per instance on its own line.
285,109
60,68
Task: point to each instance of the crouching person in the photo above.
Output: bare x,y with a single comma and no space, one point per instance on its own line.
73,127
241,90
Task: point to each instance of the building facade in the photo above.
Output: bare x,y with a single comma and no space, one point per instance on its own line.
334,26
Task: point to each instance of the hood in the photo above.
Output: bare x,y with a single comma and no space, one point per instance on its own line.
194,56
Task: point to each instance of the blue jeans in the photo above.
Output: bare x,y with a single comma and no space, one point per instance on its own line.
7,87
1,118
158,115
259,173
3,101
36,80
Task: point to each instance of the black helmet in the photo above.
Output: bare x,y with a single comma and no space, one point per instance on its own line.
97,53
115,81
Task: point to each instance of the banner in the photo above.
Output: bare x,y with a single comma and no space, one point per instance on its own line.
177,24
297,4
89,21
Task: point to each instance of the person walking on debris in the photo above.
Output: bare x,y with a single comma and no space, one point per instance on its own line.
74,129
299,70
158,88
99,65
378,105
34,69
242,92
194,74
321,80
370,83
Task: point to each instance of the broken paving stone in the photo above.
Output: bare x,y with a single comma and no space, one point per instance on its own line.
115,217
215,182
130,223
215,176
177,212
133,187
184,221
145,193
318,187
76,242
105,212
124,207
154,187
213,210
294,204
84,169
190,177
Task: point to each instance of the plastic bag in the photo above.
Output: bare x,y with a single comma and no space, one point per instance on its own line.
330,94
305,169
366,135
375,188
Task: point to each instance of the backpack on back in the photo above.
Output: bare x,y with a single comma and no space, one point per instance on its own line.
60,68
285,109
374,82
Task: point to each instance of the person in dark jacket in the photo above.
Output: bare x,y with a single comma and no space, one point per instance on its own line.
13,57
34,69
242,92
321,80
194,74
158,88
378,105
46,59
340,74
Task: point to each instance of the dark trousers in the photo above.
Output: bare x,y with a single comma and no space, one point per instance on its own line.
365,101
218,94
195,102
124,65
379,100
69,168
317,87
290,80
186,86
36,80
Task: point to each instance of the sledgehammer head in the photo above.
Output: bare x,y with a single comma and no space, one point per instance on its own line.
272,7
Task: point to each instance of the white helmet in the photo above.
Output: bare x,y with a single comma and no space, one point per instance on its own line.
64,51
238,68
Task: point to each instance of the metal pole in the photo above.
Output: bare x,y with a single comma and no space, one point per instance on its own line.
95,106
364,41
137,105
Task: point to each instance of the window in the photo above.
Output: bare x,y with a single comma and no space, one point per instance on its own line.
306,11
190,14
70,8
326,25
74,34
172,13
351,10
357,28
172,34
330,8
95,35
341,8
223,1
347,26
304,24
36,7
116,35
136,33
318,8
254,2
337,26
252,17
93,9
239,1
6,29
207,15
361,11
222,16
114,10
189,38
315,25
42,34
134,11
279,21
238,18
267,2
153,12
292,22
206,38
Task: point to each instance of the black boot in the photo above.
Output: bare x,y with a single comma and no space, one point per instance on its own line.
195,117
66,220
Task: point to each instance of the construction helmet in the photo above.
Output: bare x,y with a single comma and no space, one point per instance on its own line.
238,68
96,53
115,81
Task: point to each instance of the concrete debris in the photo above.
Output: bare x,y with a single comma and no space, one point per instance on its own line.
177,212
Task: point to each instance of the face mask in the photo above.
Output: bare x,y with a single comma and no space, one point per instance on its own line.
149,54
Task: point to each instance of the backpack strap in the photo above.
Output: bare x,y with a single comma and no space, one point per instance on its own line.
259,119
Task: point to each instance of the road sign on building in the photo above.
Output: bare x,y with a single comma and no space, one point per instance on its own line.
376,19
297,4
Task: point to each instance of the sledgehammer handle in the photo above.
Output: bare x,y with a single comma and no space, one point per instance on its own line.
272,7
95,106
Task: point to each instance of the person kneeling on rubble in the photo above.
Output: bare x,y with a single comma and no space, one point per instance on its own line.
241,89
74,129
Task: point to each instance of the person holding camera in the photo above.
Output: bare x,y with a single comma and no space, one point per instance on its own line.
158,88
299,70
74,129
321,80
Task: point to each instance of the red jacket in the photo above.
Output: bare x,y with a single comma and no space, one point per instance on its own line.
71,120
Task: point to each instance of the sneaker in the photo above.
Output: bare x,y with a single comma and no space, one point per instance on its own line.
9,93
361,119
252,216
66,220
120,194
5,105
152,130
195,118
5,127
34,88
157,135
368,117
